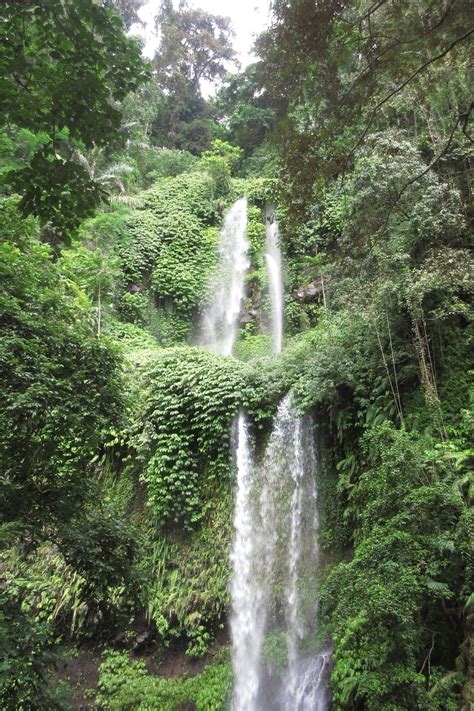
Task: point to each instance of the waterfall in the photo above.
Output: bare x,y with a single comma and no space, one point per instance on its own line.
246,622
273,262
220,317
274,561
275,551
295,625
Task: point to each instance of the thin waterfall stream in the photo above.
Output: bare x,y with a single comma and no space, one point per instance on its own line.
246,621
275,281
226,290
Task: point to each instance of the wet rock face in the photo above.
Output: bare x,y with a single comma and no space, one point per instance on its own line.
141,640
310,291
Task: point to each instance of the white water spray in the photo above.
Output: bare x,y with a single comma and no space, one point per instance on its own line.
275,551
274,562
273,262
219,321
310,692
295,626
246,623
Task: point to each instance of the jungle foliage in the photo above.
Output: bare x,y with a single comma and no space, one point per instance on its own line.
59,84
116,430
125,684
375,150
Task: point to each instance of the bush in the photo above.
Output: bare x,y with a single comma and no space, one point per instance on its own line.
185,430
403,564
125,685
27,658
132,307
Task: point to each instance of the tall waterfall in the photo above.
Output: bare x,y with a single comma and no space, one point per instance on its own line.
275,560
275,550
219,321
273,262
246,622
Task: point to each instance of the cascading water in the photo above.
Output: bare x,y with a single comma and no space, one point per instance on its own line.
246,622
275,552
294,622
219,322
275,561
273,262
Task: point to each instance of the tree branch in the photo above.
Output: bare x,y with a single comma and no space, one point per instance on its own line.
435,160
20,83
394,45
371,11
404,84
428,656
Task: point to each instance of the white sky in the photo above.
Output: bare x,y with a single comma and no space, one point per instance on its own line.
248,17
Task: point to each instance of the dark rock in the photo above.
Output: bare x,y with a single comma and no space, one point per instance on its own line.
141,640
310,291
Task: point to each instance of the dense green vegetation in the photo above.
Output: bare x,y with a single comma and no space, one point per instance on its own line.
115,429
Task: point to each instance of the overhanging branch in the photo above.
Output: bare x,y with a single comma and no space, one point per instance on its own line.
405,83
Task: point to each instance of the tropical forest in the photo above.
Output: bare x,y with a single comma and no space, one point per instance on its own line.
236,338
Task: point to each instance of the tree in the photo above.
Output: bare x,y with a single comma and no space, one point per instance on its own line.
64,66
60,387
246,108
195,48
338,71
94,273
60,394
127,9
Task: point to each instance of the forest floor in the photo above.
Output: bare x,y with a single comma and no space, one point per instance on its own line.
80,668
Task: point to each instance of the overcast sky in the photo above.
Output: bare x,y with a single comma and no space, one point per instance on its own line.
248,17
